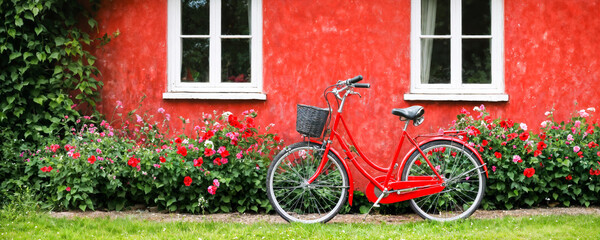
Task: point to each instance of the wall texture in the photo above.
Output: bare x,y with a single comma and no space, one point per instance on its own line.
551,61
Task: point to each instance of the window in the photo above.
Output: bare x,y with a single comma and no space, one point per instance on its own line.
214,49
457,50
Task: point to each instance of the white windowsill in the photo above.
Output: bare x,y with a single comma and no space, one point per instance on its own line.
500,97
215,96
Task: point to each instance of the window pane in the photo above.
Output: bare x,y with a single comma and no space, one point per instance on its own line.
235,60
476,17
235,17
435,61
194,62
435,17
476,61
194,17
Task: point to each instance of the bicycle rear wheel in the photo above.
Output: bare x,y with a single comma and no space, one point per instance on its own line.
463,174
293,198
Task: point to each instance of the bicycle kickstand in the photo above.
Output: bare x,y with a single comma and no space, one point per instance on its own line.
376,204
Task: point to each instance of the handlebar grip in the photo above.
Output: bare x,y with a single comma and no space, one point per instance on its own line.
354,79
362,85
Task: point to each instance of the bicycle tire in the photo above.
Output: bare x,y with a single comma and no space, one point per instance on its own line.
295,200
464,176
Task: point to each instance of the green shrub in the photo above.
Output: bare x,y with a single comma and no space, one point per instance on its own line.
219,167
46,74
555,164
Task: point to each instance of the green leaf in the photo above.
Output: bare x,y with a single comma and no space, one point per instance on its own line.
529,201
92,23
555,196
241,209
119,206
225,208
19,22
567,203
12,32
577,191
39,100
38,30
14,55
226,199
171,201
59,41
82,207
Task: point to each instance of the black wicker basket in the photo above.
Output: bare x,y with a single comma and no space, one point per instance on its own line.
310,120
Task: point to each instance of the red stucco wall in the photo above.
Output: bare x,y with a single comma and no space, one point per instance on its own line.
551,61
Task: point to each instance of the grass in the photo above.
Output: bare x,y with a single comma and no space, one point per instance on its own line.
32,225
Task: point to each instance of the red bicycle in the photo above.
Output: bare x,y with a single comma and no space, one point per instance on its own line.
442,176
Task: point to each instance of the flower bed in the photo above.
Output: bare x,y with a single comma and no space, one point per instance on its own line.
219,165
555,164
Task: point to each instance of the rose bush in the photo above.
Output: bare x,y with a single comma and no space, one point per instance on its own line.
218,165
550,165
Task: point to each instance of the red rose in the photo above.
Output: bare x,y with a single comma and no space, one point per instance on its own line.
524,136
187,181
208,135
92,159
542,136
178,140
498,155
541,146
484,143
198,162
418,162
488,119
537,153
225,153
569,177
162,159
133,162
209,152
529,172
182,151
580,154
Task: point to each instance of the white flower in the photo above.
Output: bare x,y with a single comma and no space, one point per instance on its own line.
592,109
544,124
209,144
226,114
547,113
476,109
523,126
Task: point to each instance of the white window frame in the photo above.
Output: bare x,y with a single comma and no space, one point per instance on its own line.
456,90
214,89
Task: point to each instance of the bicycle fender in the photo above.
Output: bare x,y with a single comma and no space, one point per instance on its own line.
412,150
350,180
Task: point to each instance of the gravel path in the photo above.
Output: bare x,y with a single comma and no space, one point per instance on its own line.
342,218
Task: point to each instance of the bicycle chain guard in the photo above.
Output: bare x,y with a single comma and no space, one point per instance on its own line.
373,192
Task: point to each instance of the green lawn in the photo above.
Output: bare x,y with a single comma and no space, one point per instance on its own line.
42,226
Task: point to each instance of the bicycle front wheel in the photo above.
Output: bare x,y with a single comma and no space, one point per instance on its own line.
293,197
463,174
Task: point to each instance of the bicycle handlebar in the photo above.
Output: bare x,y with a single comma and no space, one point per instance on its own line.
354,80
362,85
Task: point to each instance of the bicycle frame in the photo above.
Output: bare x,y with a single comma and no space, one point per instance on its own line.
413,187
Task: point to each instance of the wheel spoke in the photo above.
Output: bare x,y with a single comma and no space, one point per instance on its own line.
465,181
296,200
